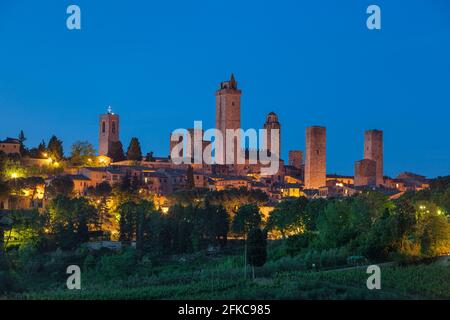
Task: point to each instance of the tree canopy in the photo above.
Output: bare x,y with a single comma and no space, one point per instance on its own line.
134,150
55,149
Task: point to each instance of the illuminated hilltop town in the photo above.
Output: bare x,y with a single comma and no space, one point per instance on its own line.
304,173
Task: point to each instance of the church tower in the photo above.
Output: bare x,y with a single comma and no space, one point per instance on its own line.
228,113
271,124
108,131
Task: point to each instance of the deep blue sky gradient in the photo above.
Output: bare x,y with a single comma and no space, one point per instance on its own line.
158,63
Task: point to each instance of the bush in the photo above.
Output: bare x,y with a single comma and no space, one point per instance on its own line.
118,265
294,244
8,283
356,260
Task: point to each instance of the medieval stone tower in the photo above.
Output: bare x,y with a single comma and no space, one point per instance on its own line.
176,141
365,173
228,113
108,131
192,139
315,166
373,150
296,158
271,124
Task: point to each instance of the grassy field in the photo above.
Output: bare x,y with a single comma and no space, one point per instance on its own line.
223,278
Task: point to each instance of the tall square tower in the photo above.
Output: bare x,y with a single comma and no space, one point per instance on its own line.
272,123
108,132
373,150
228,114
296,158
315,166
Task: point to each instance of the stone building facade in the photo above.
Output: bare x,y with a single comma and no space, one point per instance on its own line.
10,146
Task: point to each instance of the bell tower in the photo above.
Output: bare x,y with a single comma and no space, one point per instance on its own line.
272,123
108,131
228,112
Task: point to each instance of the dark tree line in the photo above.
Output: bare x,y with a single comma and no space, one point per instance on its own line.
181,230
413,227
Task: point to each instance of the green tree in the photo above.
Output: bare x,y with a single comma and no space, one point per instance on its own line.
384,237
219,224
127,222
81,152
55,148
432,230
100,194
290,217
149,157
209,226
182,220
22,139
42,148
4,194
69,221
247,218
11,169
61,185
185,197
134,150
4,190
257,248
333,224
232,199
294,244
143,211
39,152
365,210
116,151
26,226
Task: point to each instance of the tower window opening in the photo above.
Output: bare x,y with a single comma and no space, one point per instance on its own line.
103,127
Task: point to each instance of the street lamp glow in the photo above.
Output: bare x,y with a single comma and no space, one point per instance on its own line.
14,175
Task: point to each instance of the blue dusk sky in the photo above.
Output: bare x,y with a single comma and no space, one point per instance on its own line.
158,64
